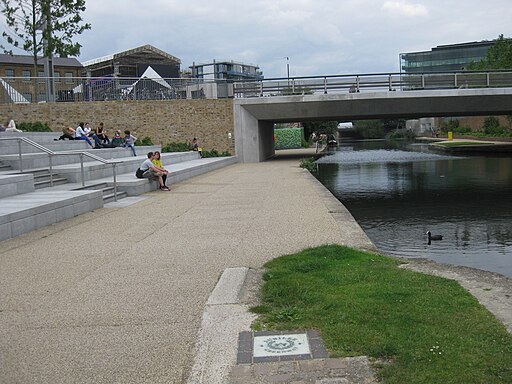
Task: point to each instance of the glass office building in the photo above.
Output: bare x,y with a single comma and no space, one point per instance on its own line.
444,58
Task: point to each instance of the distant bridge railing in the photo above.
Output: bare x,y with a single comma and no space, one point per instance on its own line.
107,88
372,82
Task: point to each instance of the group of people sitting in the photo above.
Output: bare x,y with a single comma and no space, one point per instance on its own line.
100,137
153,169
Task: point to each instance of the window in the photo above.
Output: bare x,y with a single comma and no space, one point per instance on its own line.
56,75
40,74
26,75
9,73
69,77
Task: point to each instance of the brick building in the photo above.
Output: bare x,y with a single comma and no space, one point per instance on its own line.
19,83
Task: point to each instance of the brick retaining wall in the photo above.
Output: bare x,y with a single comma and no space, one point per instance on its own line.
163,120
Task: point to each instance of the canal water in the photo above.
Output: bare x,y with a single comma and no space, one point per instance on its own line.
397,192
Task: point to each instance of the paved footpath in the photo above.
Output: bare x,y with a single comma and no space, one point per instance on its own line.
117,295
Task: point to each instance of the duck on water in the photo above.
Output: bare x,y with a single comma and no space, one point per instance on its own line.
432,237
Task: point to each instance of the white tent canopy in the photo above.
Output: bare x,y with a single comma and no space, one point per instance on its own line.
151,74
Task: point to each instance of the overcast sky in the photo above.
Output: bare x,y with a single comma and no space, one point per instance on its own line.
320,37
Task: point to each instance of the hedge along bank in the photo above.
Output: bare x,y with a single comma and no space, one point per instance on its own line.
288,138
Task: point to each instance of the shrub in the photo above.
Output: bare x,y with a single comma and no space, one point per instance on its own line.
34,127
451,125
406,134
145,141
212,153
287,138
492,126
308,164
176,146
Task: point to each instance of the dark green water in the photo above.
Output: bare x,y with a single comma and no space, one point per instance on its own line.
398,192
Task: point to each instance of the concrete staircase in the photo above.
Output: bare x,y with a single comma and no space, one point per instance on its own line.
79,184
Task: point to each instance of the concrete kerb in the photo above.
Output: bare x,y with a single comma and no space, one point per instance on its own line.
223,319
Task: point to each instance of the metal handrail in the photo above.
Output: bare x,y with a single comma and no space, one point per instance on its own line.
354,83
74,152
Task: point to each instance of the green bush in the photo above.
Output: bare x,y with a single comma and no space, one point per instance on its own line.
309,164
406,134
177,146
34,127
145,141
451,125
212,153
492,126
287,138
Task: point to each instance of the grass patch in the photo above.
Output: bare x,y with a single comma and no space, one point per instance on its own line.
458,143
363,304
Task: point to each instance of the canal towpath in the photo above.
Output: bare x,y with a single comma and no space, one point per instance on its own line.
118,295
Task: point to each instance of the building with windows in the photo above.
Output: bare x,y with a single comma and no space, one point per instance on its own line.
17,71
444,58
219,77
132,63
226,70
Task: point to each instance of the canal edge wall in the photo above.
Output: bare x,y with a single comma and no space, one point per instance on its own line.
351,233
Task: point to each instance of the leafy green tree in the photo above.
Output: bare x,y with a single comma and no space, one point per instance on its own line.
43,27
499,56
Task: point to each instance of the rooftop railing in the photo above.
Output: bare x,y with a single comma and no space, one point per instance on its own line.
73,89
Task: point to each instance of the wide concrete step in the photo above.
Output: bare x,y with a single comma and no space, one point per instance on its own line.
30,211
27,211
109,193
94,170
177,172
11,185
11,147
46,182
35,160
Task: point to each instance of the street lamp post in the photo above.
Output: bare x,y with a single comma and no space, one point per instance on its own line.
288,70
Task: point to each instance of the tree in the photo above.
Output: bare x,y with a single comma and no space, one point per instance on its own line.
499,56
43,27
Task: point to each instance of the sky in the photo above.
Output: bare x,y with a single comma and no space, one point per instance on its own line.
319,37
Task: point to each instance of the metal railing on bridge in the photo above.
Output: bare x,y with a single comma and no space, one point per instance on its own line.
372,82
107,88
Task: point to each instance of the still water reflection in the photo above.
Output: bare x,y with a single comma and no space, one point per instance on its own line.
399,192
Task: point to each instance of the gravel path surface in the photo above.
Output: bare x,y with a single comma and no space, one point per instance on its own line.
117,295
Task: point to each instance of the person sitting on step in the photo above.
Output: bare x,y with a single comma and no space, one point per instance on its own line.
148,170
158,163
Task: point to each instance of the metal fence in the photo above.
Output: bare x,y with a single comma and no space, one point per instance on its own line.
372,82
73,89
69,89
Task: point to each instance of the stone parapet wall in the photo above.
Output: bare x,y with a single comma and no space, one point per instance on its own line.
210,121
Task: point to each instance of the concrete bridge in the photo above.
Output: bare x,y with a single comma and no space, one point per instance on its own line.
254,118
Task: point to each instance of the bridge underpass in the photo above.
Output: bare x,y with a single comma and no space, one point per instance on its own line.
254,118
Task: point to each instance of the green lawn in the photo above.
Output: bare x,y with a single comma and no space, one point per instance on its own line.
430,328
